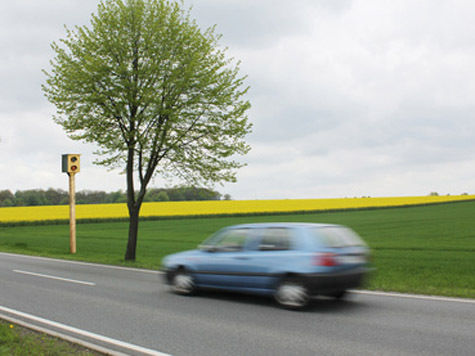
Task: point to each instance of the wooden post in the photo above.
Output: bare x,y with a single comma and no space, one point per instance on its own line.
72,213
70,165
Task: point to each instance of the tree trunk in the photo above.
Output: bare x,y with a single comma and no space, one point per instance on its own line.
133,231
134,209
134,202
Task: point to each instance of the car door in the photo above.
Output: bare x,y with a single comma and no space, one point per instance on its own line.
226,261
273,251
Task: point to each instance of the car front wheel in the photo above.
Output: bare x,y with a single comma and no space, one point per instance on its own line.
183,283
292,294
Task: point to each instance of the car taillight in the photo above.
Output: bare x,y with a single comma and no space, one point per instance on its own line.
327,259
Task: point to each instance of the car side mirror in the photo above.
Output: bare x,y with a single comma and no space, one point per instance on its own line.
207,248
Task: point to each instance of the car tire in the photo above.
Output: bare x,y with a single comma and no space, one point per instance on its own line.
339,295
183,283
291,294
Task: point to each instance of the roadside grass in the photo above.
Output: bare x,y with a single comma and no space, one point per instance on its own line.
424,249
18,341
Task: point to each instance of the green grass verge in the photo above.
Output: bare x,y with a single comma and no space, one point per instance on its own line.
424,249
18,341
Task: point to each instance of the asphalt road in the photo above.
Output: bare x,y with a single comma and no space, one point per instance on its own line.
133,312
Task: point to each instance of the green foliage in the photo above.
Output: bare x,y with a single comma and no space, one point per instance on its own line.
184,193
426,249
61,197
6,198
17,341
30,197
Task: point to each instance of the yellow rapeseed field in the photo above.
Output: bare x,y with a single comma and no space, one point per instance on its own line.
190,208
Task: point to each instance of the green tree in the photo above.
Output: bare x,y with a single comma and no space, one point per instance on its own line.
55,196
162,196
155,92
30,197
6,198
116,197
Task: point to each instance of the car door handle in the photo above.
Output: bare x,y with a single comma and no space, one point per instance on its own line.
241,258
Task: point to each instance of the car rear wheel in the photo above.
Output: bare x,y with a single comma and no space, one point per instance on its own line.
291,294
183,283
339,295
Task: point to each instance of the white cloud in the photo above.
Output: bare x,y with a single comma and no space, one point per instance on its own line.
349,98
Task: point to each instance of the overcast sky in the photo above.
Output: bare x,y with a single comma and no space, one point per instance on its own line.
349,98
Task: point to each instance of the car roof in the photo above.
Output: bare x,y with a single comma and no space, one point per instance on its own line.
282,224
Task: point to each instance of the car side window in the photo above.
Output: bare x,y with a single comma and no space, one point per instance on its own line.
232,240
275,239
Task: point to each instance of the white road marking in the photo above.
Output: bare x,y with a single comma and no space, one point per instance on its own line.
414,296
54,277
84,333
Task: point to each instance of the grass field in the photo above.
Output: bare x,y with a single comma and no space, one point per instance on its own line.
424,249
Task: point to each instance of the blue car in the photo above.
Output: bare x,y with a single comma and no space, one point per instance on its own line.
290,261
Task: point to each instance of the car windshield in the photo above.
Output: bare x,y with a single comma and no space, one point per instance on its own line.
334,236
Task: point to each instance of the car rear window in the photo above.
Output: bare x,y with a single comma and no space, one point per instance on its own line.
334,236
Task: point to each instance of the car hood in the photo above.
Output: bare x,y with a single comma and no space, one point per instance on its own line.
181,256
186,253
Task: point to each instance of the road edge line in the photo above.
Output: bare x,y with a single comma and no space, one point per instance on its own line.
413,296
84,333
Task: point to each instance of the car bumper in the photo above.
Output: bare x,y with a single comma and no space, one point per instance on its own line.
335,282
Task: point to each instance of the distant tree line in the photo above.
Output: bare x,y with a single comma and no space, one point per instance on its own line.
60,197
